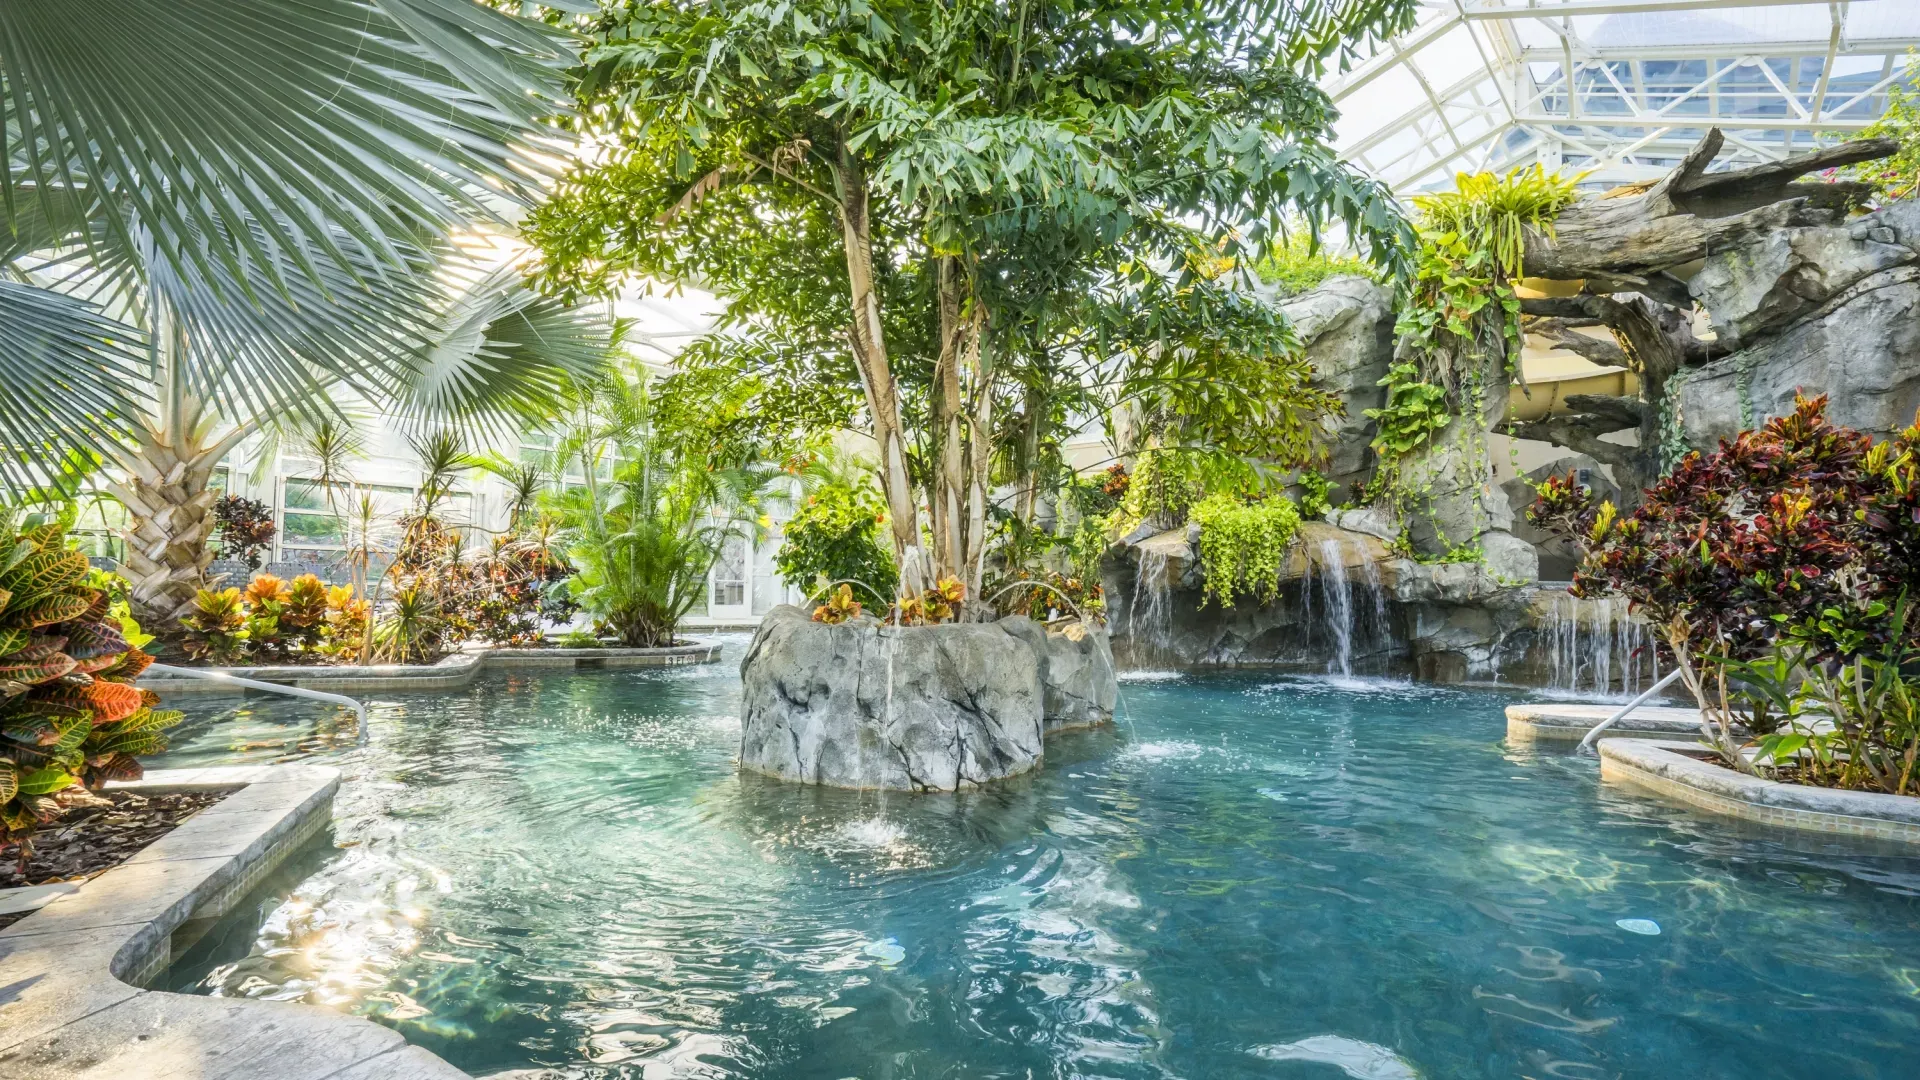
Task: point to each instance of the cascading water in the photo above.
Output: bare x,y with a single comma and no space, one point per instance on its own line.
1596,647
1150,613
1339,607
1345,620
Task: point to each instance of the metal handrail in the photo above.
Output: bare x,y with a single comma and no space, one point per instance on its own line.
1603,725
359,710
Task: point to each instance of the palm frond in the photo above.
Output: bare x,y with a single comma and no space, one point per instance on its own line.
69,378
505,355
322,119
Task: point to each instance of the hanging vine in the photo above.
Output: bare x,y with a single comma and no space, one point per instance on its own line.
1242,544
1456,313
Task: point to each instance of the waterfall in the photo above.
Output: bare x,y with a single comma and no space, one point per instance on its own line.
1150,611
1339,607
1596,647
1349,623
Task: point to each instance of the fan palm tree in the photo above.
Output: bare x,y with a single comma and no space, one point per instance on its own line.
222,214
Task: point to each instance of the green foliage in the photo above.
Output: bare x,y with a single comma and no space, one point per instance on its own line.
1299,265
244,528
836,537
1799,539
1242,544
1898,176
266,182
69,714
1316,493
1414,411
274,620
643,540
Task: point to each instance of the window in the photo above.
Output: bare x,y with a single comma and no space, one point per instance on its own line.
307,521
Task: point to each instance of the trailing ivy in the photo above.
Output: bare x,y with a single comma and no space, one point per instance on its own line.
1241,545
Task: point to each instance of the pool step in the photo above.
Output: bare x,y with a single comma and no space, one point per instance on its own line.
1570,722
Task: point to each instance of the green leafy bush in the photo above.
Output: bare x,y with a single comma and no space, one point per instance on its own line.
1241,545
1299,265
1898,176
69,714
1413,412
837,537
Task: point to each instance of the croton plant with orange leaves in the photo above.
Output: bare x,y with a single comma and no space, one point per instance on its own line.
70,716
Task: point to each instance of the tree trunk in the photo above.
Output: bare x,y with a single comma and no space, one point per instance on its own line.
979,453
168,506
949,410
870,355
1632,238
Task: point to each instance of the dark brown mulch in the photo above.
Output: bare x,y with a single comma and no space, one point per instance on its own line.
91,839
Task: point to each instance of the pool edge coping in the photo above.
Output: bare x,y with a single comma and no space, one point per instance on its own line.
1675,769
449,673
1570,721
72,996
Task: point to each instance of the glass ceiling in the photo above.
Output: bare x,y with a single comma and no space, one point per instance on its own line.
1619,87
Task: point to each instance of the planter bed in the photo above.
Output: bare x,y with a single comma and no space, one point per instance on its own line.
1683,771
72,971
90,841
450,672
1569,722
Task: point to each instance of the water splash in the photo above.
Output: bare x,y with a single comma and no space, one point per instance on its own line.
1346,620
1596,647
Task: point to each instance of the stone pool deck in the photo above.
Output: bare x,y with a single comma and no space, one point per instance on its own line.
450,673
1570,722
1677,770
71,1002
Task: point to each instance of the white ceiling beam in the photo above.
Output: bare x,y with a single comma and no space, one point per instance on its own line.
1485,9
1419,38
1550,54
1687,120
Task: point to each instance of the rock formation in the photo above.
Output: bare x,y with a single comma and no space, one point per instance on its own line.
919,708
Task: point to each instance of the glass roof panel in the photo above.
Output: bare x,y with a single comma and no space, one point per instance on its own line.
1605,85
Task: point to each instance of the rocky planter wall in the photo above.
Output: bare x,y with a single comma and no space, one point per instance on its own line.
928,708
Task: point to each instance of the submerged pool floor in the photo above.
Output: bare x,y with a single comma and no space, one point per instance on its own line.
1254,877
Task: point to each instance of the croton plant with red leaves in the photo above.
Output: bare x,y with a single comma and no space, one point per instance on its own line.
1800,528
70,716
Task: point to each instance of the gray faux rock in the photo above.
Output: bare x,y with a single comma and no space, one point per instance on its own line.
1861,349
1346,326
926,708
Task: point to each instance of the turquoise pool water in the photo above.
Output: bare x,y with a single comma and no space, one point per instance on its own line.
1257,877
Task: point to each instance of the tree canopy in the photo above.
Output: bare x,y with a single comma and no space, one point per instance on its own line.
1045,211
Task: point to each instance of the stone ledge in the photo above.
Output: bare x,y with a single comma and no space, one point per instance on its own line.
1677,770
1555,721
71,1003
450,673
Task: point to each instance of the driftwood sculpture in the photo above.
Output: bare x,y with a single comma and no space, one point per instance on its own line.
1636,250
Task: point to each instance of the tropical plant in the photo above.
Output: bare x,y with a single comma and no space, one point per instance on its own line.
1800,535
836,537
1301,264
1898,175
1242,544
69,714
217,626
838,607
244,528
347,623
267,227
643,540
413,626
1459,327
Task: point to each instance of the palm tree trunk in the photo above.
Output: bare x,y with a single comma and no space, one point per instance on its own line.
169,504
